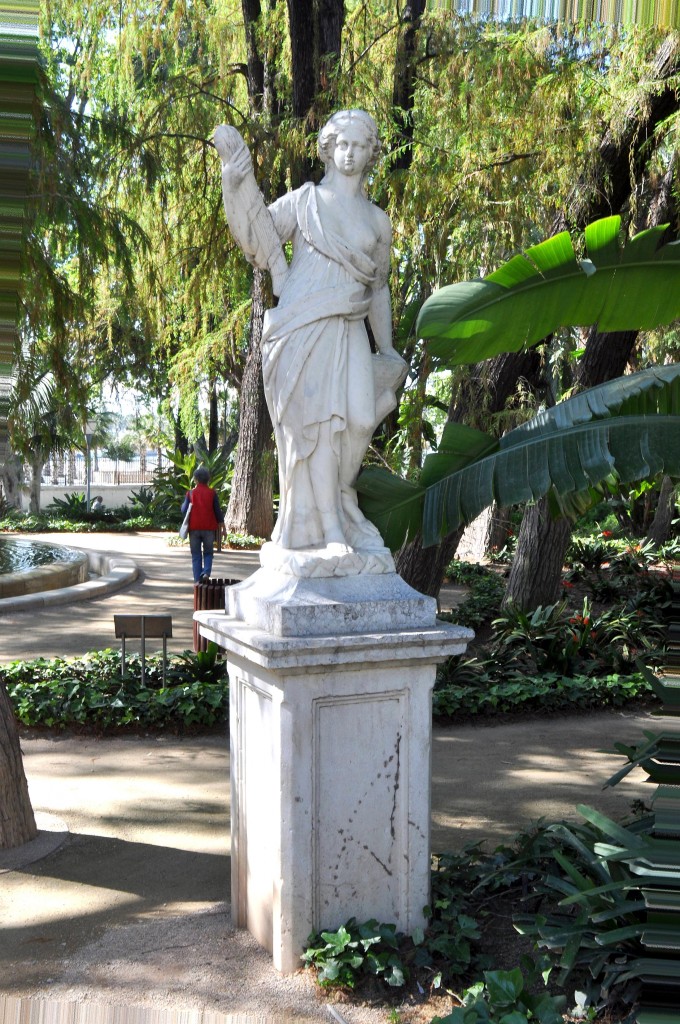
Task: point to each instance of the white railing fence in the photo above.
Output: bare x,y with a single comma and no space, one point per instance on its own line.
70,470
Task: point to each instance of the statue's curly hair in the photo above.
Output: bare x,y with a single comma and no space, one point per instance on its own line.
341,119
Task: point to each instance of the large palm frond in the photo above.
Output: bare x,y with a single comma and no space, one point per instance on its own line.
619,287
628,428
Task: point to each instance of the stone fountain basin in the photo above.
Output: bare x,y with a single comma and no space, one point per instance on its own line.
64,573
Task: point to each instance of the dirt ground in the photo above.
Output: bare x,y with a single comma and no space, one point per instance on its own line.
127,901
120,910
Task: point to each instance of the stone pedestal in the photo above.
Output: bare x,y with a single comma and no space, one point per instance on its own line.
330,755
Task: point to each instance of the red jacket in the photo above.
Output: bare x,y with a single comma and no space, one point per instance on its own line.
205,508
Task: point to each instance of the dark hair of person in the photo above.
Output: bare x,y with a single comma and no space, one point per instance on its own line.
202,475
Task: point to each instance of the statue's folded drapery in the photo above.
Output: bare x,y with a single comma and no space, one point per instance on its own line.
317,368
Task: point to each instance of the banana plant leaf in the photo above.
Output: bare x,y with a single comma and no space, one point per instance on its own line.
628,428
618,287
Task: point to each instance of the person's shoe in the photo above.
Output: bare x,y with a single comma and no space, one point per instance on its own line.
204,578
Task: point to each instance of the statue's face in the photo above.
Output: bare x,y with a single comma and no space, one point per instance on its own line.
352,150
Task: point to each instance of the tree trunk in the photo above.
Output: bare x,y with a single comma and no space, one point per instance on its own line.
17,822
536,573
36,477
250,507
485,393
660,529
403,90
255,64
214,420
542,542
10,472
424,568
303,50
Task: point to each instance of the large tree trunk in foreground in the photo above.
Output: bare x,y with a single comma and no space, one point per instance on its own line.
486,392
10,473
536,572
660,530
424,568
17,823
250,504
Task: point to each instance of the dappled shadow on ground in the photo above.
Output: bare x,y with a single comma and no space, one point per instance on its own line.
92,884
490,782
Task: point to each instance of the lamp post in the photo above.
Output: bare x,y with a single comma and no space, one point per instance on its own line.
90,428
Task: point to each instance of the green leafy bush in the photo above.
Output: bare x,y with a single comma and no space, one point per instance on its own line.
342,957
586,909
504,997
486,593
91,692
552,639
513,691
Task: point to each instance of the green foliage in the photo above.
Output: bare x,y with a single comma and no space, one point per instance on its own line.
142,500
486,593
499,691
341,957
548,287
171,485
559,657
449,946
553,639
71,505
589,914
244,541
504,997
626,429
90,691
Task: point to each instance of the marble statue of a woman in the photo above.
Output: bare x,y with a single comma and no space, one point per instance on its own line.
325,390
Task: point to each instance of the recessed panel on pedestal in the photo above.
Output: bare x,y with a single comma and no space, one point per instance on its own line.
360,808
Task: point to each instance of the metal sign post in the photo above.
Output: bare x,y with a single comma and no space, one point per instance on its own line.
141,627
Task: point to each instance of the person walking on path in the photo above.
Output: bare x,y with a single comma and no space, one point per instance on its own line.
206,517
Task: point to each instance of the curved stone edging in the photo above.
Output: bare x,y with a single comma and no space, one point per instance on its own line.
52,833
112,573
53,576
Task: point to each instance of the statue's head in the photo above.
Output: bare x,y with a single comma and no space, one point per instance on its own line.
342,120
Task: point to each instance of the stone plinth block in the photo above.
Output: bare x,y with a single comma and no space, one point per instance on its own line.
291,606
330,775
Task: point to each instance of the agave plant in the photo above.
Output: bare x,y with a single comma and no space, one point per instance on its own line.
170,485
625,430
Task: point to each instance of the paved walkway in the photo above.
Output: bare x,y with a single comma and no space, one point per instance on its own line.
124,899
164,587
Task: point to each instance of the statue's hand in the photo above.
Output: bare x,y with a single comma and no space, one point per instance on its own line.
236,160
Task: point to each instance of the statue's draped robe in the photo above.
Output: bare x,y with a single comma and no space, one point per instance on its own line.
305,357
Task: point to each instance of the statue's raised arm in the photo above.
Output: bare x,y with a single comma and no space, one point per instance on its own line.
248,218
326,391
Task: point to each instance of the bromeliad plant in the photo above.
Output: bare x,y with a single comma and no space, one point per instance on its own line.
627,429
551,638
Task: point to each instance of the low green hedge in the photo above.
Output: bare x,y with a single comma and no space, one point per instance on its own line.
547,692
90,692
